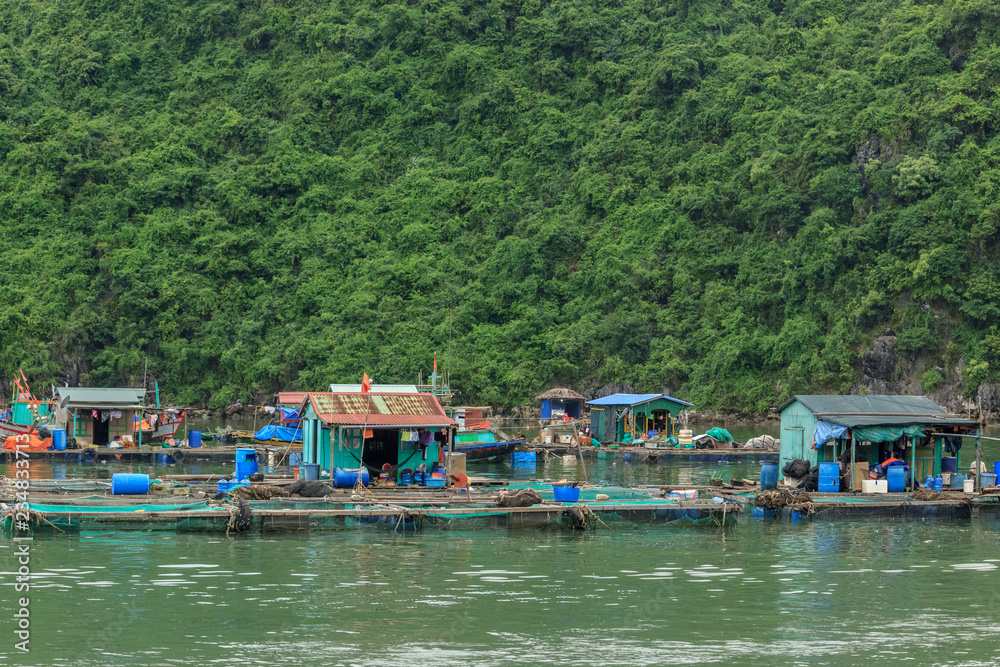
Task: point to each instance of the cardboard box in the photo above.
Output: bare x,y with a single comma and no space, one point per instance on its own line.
456,463
860,474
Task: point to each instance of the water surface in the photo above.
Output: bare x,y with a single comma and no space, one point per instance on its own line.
759,593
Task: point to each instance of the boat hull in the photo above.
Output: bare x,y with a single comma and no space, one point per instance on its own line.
478,451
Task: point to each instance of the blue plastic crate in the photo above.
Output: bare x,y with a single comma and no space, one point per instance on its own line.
227,486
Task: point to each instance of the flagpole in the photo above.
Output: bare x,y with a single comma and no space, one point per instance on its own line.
359,485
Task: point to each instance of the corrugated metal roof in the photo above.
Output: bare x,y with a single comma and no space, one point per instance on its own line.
290,398
853,421
376,388
87,397
633,399
878,410
379,409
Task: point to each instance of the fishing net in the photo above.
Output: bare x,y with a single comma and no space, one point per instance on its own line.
310,489
258,492
519,498
779,499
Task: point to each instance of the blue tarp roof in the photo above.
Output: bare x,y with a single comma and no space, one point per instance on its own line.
633,399
271,432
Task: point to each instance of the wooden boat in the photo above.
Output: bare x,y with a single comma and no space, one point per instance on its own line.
484,443
167,423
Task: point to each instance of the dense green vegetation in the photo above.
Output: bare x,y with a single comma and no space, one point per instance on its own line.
724,199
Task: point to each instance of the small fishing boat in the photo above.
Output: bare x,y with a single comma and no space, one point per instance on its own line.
484,443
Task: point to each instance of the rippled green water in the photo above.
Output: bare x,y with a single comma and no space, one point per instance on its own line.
759,593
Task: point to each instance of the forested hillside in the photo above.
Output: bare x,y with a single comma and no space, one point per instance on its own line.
728,200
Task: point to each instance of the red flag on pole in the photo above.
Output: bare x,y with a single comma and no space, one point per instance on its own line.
366,384
435,365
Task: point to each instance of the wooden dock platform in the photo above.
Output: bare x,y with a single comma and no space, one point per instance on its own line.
146,454
654,456
954,505
400,515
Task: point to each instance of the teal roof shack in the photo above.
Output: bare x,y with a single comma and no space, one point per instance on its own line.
801,414
101,398
614,416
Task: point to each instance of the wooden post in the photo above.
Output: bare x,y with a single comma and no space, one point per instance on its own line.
447,456
851,443
979,462
340,438
913,464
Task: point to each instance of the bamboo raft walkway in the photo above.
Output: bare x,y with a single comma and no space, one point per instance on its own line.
146,454
398,512
626,453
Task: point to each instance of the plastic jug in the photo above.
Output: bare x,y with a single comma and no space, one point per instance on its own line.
938,483
929,483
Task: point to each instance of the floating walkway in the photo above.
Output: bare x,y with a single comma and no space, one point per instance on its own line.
661,455
406,511
953,505
145,454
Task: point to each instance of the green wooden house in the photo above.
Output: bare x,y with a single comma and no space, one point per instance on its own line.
820,429
98,415
612,417
404,430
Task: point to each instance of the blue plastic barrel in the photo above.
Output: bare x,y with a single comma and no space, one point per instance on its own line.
194,438
246,463
769,476
896,476
345,479
129,484
996,469
949,464
438,469
309,472
59,438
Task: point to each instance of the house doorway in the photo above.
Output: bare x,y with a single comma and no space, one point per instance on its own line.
101,431
382,448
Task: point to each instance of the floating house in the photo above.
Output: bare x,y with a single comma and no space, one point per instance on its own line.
96,416
403,430
914,429
559,402
614,416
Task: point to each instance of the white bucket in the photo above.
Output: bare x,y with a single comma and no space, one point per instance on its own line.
548,440
969,485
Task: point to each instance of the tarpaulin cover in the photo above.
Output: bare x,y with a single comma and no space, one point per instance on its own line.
271,432
887,433
825,432
290,415
720,434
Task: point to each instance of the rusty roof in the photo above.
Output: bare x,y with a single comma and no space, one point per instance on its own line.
290,398
385,410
